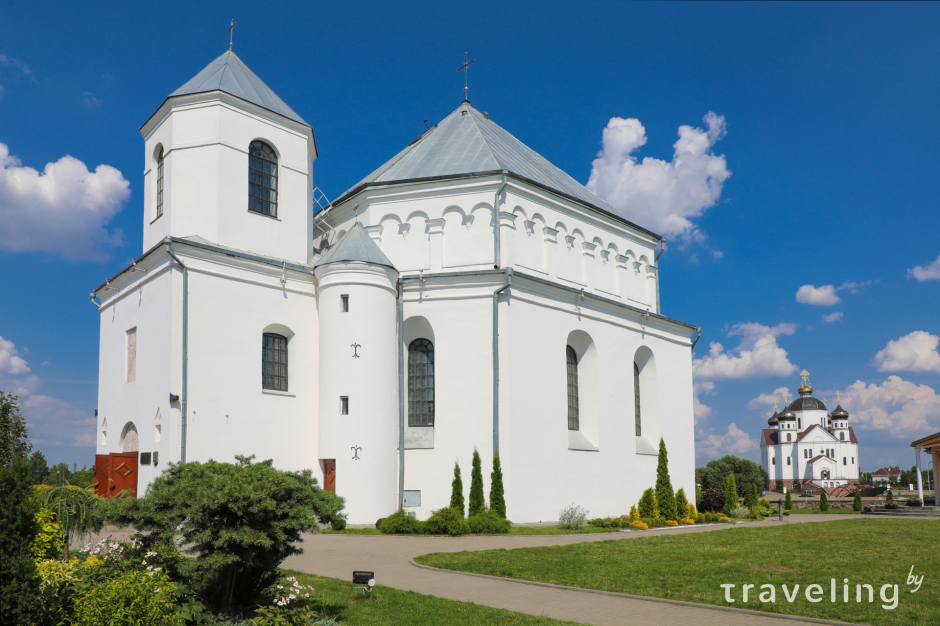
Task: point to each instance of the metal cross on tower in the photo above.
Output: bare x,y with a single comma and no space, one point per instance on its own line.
838,397
785,396
466,71
805,375
230,29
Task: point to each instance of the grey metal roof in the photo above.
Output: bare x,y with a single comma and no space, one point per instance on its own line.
465,142
807,403
355,245
229,74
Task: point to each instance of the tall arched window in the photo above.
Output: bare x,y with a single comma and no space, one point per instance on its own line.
421,383
160,183
842,436
636,399
274,362
262,179
789,437
572,360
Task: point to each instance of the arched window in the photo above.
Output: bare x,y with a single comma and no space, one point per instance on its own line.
160,183
636,398
842,436
262,179
274,362
572,360
789,437
421,383
843,461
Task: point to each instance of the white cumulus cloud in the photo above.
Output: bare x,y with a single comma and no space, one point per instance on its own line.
833,317
926,272
63,210
733,441
896,406
10,363
700,410
817,296
756,356
661,195
765,400
916,352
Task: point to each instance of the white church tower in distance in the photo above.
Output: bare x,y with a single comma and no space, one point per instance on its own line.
466,294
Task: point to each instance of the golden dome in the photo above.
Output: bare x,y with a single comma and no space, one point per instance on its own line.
805,390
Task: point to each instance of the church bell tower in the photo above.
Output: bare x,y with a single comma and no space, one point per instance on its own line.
228,162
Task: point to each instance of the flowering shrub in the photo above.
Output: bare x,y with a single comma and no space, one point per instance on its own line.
639,525
105,550
131,599
290,599
670,522
914,502
687,520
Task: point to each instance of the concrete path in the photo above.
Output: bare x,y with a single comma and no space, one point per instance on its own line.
390,558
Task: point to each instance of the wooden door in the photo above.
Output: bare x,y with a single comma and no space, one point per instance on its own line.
102,474
329,475
123,473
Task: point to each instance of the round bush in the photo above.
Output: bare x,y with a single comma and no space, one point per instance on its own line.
399,523
489,523
137,597
713,500
447,521
338,524
639,525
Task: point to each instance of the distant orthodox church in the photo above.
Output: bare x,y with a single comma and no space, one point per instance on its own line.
466,294
807,443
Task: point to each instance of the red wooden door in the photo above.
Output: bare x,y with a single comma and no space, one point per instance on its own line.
102,474
123,473
329,475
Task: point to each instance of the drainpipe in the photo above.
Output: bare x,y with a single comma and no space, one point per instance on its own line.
698,336
496,357
401,396
499,192
92,294
184,391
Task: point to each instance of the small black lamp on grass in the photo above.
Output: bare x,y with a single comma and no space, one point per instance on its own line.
366,579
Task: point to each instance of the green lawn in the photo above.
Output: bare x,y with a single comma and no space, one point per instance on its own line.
515,530
337,598
692,566
817,511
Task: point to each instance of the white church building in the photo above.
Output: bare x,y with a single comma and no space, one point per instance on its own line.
807,443
466,294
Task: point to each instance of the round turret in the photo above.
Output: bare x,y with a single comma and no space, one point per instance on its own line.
774,419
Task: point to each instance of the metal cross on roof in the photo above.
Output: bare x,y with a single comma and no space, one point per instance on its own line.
785,396
805,375
838,397
230,29
466,71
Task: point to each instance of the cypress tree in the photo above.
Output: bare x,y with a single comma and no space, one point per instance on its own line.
497,499
796,485
477,503
665,498
647,505
823,502
750,496
857,502
682,503
788,502
731,494
456,491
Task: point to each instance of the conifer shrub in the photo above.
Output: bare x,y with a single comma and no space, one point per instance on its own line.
796,486
857,502
497,497
764,503
731,494
713,500
725,518
692,511
671,522
750,497
648,505
823,502
20,600
654,522
634,514
606,522
456,490
665,498
489,523
477,503
639,525
447,521
399,523
134,598
889,496
48,541
682,504
687,520
788,503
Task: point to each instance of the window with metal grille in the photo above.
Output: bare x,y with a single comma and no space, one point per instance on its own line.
262,179
274,362
160,183
421,383
572,361
636,399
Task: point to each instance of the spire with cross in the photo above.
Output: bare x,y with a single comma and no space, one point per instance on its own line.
805,375
838,397
465,67
230,29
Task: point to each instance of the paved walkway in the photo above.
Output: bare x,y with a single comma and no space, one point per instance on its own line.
390,557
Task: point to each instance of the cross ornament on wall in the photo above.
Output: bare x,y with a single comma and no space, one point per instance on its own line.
356,450
355,348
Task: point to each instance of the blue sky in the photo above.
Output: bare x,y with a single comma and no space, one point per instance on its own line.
828,176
